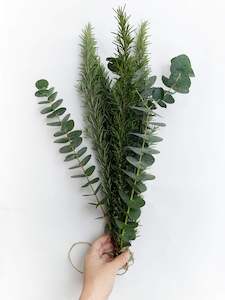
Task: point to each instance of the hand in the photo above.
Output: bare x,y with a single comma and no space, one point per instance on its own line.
100,269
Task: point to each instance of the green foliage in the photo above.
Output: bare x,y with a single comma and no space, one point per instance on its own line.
125,113
120,107
70,138
181,71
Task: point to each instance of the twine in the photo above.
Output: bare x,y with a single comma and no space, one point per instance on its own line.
125,268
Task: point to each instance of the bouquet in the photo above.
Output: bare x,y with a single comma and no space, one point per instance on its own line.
120,110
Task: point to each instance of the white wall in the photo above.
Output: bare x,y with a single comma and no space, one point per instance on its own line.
180,254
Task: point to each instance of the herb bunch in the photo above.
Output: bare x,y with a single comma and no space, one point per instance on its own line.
120,110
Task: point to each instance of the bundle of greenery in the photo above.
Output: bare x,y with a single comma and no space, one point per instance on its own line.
120,107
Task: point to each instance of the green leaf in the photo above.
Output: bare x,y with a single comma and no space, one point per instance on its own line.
54,124
141,151
136,202
130,174
57,103
66,118
168,98
135,162
157,93
120,224
126,226
129,234
153,151
41,84
57,112
158,124
178,82
81,151
43,102
46,110
52,97
140,187
62,140
58,133
98,188
147,92
76,142
67,126
162,104
66,149
42,93
74,134
91,182
147,160
140,135
90,171
78,176
182,64
75,155
124,196
85,160
134,213
155,139
70,157
144,176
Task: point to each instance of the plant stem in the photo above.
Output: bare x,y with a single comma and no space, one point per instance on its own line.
136,176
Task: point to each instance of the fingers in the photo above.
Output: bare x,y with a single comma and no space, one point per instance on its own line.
107,247
121,260
101,244
107,257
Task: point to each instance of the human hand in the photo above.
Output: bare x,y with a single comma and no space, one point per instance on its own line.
100,269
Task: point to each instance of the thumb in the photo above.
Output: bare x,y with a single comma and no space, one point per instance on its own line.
121,260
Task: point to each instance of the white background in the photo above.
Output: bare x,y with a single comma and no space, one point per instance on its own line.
180,253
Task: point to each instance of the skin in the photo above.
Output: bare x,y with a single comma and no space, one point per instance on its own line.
100,269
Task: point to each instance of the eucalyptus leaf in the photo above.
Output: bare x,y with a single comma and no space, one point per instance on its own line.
66,149
168,98
66,118
134,213
52,97
91,182
76,142
81,151
90,171
70,157
58,133
41,84
78,176
58,112
43,102
67,126
182,64
57,103
62,140
74,134
54,124
85,160
144,176
136,202
46,110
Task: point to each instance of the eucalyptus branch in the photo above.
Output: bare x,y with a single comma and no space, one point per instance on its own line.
137,173
72,139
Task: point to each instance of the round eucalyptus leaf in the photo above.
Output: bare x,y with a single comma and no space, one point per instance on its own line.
41,84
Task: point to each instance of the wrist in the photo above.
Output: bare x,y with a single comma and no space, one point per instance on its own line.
89,293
